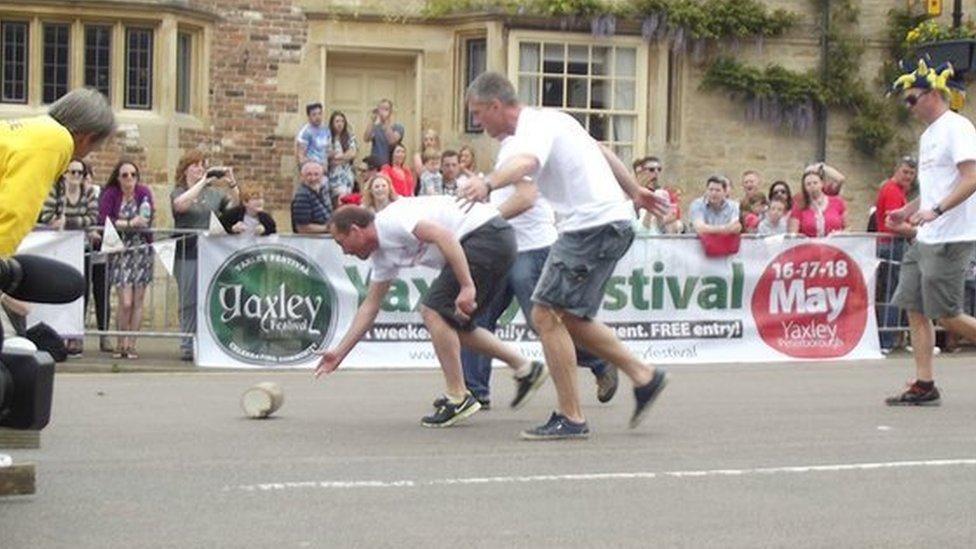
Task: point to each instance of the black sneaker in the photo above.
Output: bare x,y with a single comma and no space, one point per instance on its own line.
647,394
526,386
915,395
448,413
484,402
557,428
606,383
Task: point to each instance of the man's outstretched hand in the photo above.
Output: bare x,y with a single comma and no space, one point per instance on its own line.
328,363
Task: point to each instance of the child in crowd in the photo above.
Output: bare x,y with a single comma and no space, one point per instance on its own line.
774,222
753,210
431,180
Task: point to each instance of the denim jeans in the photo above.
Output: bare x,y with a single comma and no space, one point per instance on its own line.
519,284
889,316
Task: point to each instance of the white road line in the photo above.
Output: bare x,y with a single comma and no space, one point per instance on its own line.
644,475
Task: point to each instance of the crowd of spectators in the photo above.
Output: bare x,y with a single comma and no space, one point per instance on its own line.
333,170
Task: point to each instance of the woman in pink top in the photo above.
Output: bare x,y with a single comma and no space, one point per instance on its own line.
399,173
817,214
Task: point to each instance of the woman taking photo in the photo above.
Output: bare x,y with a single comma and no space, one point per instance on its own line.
815,213
128,204
197,194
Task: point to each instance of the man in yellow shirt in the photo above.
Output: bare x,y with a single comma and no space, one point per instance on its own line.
34,152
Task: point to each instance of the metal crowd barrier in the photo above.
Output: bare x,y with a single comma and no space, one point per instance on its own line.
163,299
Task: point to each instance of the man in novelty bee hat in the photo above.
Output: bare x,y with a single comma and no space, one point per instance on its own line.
930,285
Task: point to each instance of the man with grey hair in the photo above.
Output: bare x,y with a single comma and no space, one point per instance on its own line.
35,151
588,188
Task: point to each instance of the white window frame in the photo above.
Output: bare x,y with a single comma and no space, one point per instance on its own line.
639,143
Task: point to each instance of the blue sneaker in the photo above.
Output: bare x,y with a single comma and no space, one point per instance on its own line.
647,394
558,427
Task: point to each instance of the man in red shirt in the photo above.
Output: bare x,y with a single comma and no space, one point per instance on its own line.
891,196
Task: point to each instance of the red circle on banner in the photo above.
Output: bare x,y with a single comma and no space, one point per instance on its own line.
811,302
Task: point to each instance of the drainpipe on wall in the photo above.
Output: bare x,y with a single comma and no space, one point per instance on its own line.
956,14
824,57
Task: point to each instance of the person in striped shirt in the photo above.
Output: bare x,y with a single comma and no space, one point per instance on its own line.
72,205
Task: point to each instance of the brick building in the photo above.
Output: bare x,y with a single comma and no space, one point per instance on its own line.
233,77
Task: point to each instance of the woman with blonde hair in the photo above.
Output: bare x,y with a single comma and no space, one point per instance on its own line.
468,161
430,142
378,193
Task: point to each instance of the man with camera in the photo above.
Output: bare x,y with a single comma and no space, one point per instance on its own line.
381,131
33,153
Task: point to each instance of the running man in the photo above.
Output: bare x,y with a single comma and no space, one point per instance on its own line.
576,175
933,269
474,248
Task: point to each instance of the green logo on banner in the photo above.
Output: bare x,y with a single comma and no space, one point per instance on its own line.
270,306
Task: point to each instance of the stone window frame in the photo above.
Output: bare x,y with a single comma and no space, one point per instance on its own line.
166,21
524,76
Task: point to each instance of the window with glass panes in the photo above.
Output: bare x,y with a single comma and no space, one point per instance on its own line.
98,56
13,61
54,82
138,68
184,65
595,84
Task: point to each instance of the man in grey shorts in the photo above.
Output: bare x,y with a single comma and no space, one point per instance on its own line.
474,250
932,278
585,183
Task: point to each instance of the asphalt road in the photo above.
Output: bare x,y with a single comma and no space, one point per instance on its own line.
798,455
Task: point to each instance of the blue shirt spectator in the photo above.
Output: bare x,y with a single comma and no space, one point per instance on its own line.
314,139
714,212
381,131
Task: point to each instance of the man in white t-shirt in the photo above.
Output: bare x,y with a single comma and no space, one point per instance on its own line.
585,183
535,232
933,269
474,249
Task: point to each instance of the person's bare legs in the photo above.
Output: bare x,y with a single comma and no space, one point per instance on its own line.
447,346
923,343
484,342
122,318
135,322
597,338
560,353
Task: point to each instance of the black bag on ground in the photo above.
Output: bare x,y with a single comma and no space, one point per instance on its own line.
47,339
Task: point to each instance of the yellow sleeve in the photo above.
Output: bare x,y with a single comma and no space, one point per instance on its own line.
27,179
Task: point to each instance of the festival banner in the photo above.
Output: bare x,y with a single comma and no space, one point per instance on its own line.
272,301
67,247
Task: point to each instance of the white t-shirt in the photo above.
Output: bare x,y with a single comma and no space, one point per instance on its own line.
534,228
400,248
574,177
949,140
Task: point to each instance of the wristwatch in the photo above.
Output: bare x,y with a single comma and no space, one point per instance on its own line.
937,210
487,181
